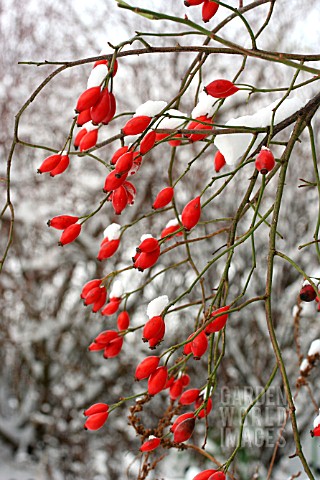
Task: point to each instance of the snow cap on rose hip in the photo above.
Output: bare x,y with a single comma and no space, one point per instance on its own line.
97,75
112,232
172,119
157,305
234,145
150,108
203,107
117,289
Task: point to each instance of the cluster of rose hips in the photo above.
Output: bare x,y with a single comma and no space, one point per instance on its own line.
96,107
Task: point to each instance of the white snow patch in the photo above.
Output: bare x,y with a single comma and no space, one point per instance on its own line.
304,365
97,75
112,231
173,222
204,106
233,146
156,306
145,236
295,310
150,108
175,119
314,348
316,421
117,289
89,126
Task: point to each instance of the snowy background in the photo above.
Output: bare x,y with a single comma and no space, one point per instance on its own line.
47,375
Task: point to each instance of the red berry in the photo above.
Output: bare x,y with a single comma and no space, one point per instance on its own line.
147,260
199,345
136,125
83,117
195,137
96,408
189,396
100,302
219,161
204,475
62,221
206,410
174,142
93,295
163,198
147,142
209,9
148,245
180,419
108,248
151,444
191,214
88,99
184,430
61,167
88,286
49,163
221,88
146,367
118,153
316,431
218,323
170,232
124,163
79,137
101,109
191,3
70,234
119,200
89,140
154,327
96,421
185,379
265,161
113,348
112,109
157,380
176,389
307,293
111,307
113,182
123,321
217,476
106,337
